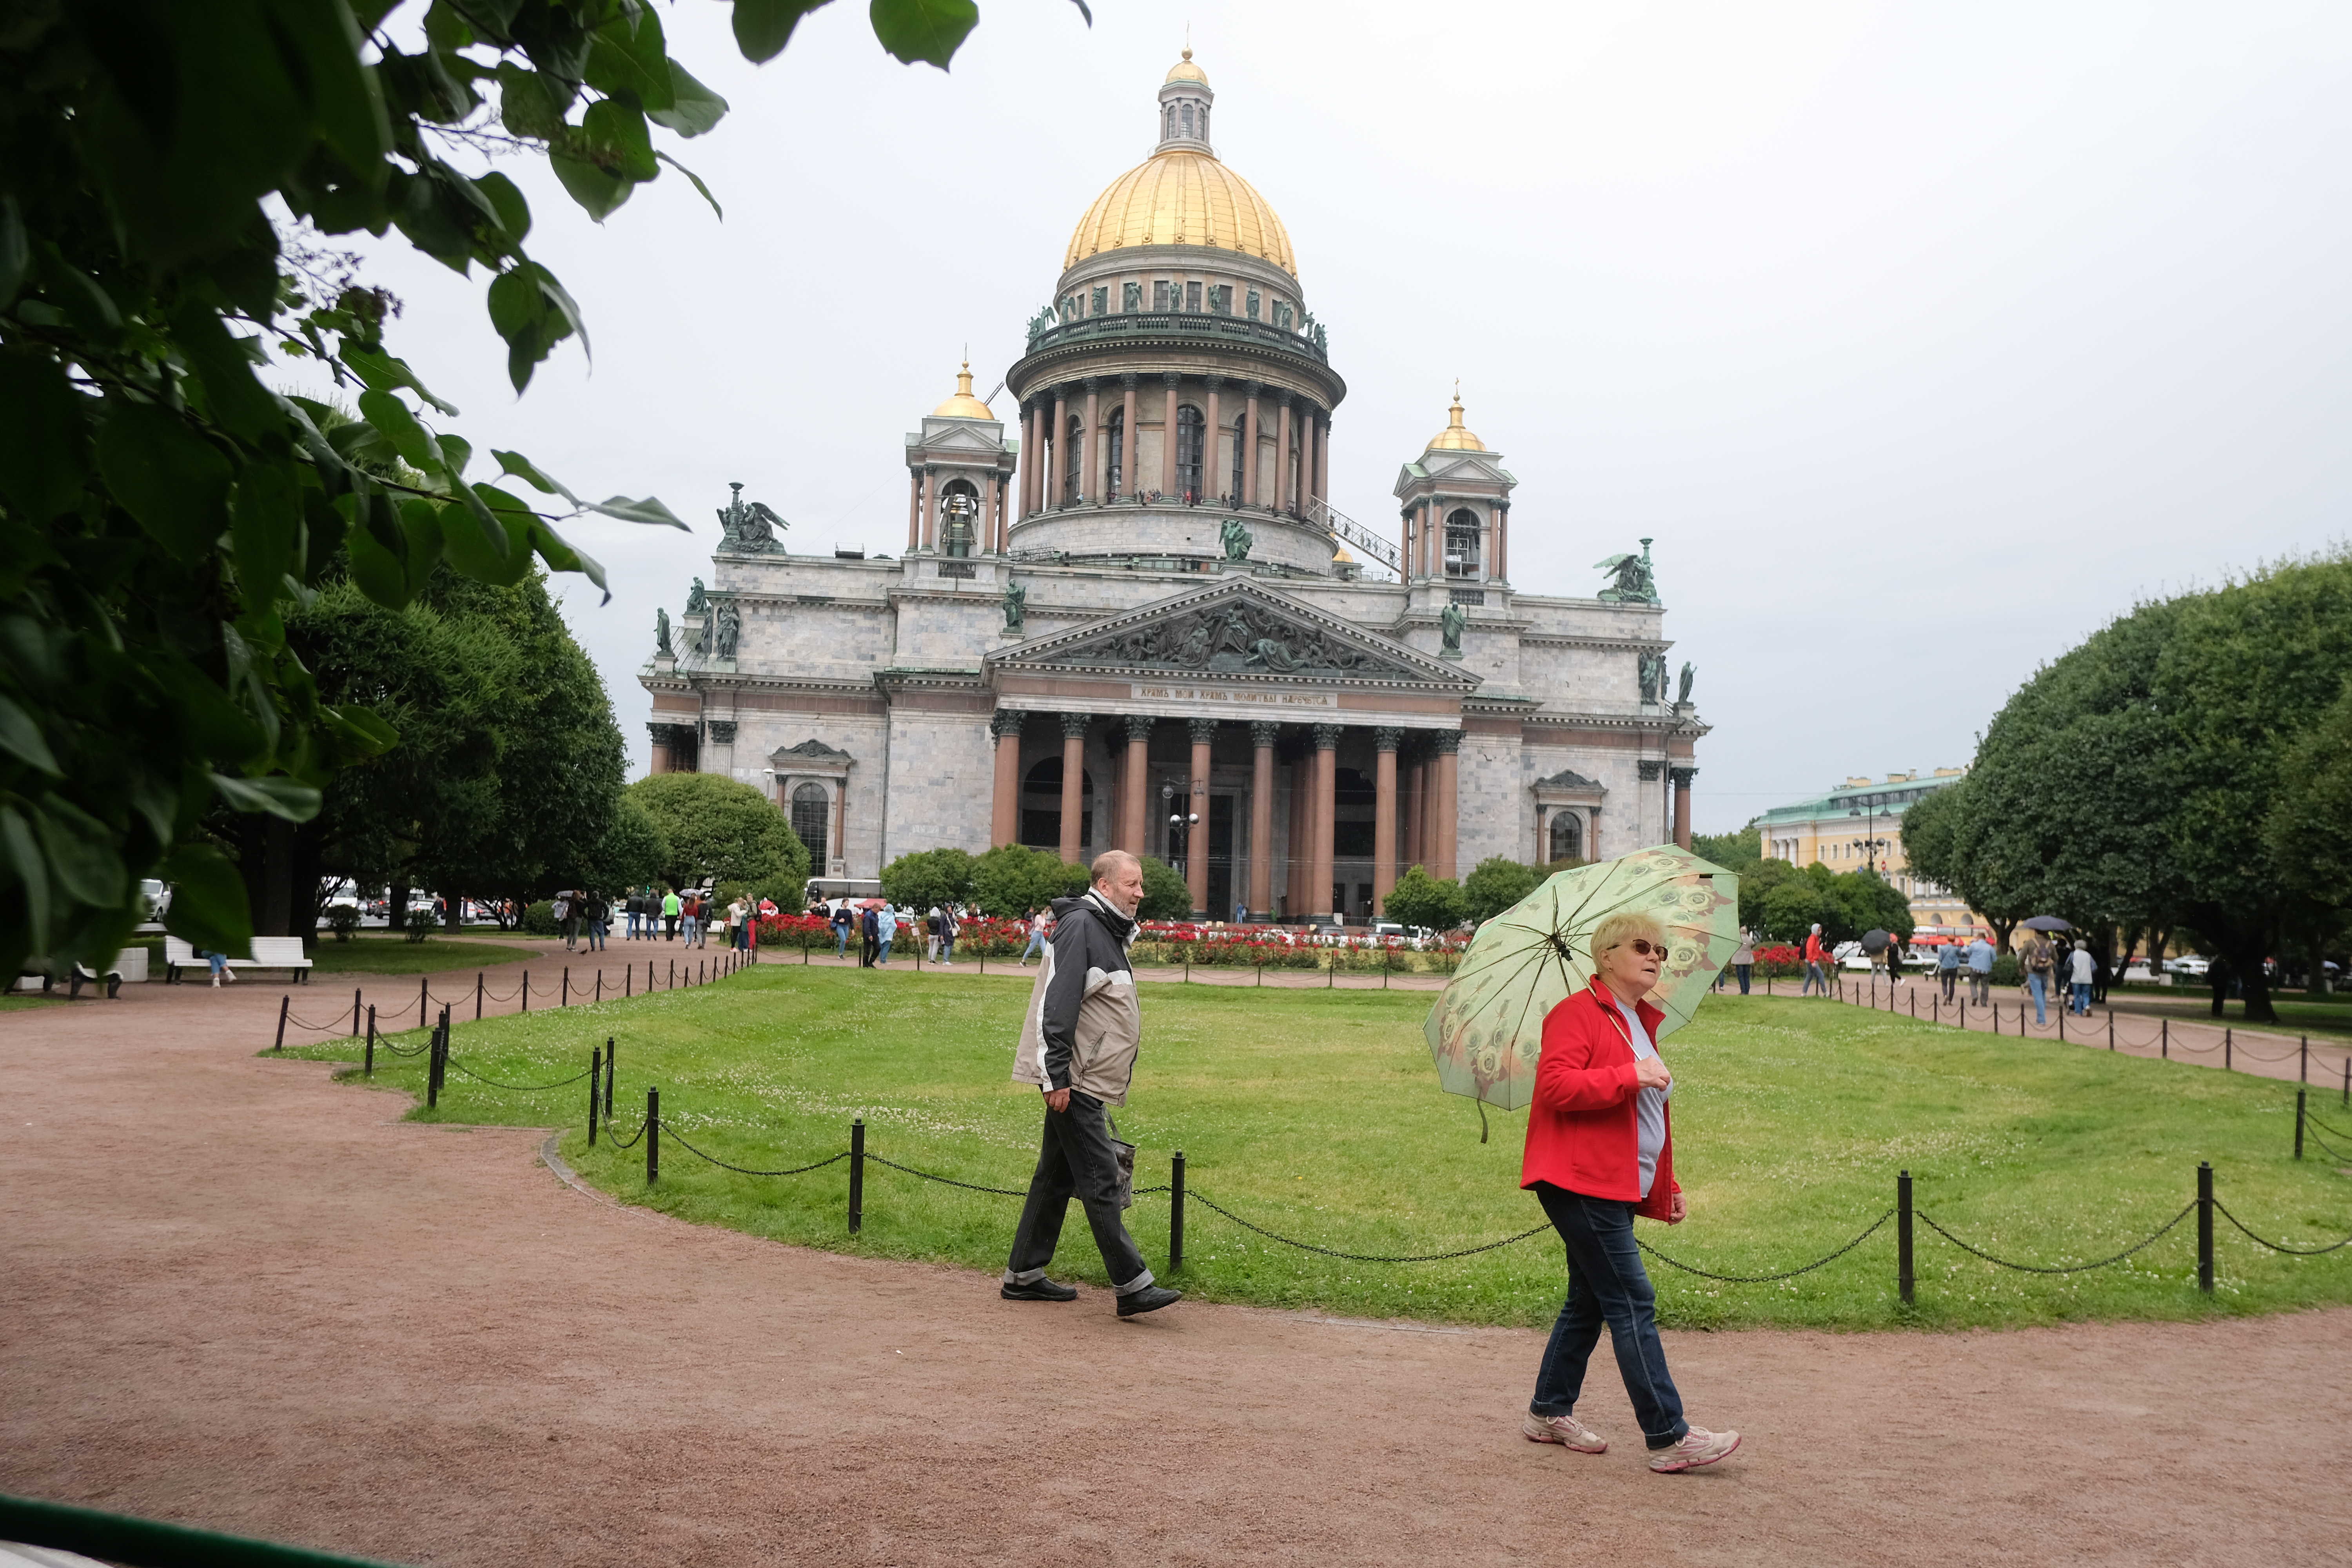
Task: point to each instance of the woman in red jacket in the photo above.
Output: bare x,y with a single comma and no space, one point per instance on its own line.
1600,1151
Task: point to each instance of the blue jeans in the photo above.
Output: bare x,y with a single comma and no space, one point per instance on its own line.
1036,942
883,960
1606,1284
2082,997
1745,971
840,942
1814,977
2040,984
595,936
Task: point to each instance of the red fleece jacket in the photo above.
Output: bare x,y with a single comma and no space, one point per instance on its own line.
1582,1134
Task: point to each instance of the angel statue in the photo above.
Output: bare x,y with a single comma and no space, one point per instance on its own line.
1654,676
729,625
661,631
748,526
697,597
1689,671
1016,600
1634,584
1238,541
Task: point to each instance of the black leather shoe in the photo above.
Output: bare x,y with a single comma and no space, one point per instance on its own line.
1039,1290
1151,1299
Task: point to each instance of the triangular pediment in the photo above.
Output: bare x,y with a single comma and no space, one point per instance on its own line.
1237,629
1453,468
961,435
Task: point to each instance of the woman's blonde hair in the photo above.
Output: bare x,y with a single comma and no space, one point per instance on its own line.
1617,929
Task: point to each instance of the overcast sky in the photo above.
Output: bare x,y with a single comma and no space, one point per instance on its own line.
1921,339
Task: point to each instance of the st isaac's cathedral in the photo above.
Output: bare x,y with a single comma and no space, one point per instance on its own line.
1133,620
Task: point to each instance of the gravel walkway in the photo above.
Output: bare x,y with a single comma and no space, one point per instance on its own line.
234,1294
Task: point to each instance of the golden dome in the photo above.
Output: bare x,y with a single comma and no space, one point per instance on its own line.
1340,554
1456,437
1185,70
963,404
1182,196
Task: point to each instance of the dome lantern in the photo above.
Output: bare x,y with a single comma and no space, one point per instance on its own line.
1456,436
963,404
1184,100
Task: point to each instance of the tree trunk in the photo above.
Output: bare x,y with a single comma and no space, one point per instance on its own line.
2247,964
2000,933
454,920
396,912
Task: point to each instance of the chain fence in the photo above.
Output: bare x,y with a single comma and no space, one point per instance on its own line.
1769,1279
2145,1241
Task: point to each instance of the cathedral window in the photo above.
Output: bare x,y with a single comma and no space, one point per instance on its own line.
1115,479
1189,429
1567,837
1192,297
1102,300
1160,291
1172,123
1073,460
812,820
1204,122
1130,297
1242,435
1188,119
1461,543
959,517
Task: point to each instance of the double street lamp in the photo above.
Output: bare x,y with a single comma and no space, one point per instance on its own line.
1180,828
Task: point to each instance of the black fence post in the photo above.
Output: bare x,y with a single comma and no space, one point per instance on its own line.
2111,1028
856,1173
526,990
2298,1121
2205,1225
612,1071
478,996
1903,1274
2062,1020
369,1070
2164,1033
595,1087
1176,1213
2226,1048
423,1001
355,1010
284,1003
653,1136
2306,1061
433,1070
563,988
600,983
2347,1081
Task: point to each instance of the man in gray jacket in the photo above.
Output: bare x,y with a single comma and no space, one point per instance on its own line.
1077,1045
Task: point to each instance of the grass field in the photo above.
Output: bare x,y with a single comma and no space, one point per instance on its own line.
1316,1114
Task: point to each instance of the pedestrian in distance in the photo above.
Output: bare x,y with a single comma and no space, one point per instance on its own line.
1078,1044
634,909
885,930
869,927
2041,965
947,934
1894,960
932,925
697,920
596,913
1948,967
1743,958
566,921
1599,1151
669,907
1817,957
2218,975
2081,966
844,918
1980,957
1036,948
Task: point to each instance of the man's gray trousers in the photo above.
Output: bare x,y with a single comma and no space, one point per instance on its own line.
1075,1159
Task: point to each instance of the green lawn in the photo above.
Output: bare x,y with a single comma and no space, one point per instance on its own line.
1316,1114
2326,1017
371,953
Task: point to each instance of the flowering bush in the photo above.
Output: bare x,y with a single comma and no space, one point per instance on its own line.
986,938
798,932
1782,962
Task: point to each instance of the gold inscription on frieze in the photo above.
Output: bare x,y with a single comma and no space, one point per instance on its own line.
1240,696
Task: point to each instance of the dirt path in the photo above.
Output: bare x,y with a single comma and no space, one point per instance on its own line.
234,1294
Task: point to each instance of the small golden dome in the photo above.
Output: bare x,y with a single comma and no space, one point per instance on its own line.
1182,196
1185,70
963,404
1340,555
1455,436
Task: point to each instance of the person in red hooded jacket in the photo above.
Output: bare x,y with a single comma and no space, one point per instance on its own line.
1599,1151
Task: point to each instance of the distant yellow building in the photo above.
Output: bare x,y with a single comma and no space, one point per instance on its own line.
1859,825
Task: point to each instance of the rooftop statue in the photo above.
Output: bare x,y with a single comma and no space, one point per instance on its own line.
1654,676
1450,621
1689,671
750,527
661,631
728,626
1016,601
1238,541
696,598
1634,584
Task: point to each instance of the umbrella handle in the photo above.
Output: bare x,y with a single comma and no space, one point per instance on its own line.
1482,1121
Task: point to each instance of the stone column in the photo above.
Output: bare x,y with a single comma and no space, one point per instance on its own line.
1300,859
1682,778
1056,461
1282,464
1263,734
1502,542
1131,458
1196,833
1074,794
1323,462
1090,478
1384,837
1415,811
1004,820
1041,452
1212,474
1324,814
1169,382
1137,809
1028,457
1249,453
1448,802
913,505
930,506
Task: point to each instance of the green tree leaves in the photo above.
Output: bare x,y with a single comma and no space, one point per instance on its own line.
1421,899
165,475
930,31
1495,884
718,830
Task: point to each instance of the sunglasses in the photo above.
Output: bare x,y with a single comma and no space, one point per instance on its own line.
1645,949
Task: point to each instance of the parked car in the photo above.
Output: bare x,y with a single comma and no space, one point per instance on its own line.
2188,963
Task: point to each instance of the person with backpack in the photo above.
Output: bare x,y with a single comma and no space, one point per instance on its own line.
1817,957
948,926
933,924
564,920
869,937
2039,965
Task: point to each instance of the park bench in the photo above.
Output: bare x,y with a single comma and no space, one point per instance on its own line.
268,952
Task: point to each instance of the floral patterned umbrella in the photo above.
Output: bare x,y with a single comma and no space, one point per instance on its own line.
1486,1030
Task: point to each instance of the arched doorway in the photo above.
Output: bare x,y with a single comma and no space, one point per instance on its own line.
958,517
1461,543
1041,807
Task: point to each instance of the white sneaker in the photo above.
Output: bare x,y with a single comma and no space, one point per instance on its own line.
1564,1430
1698,1447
